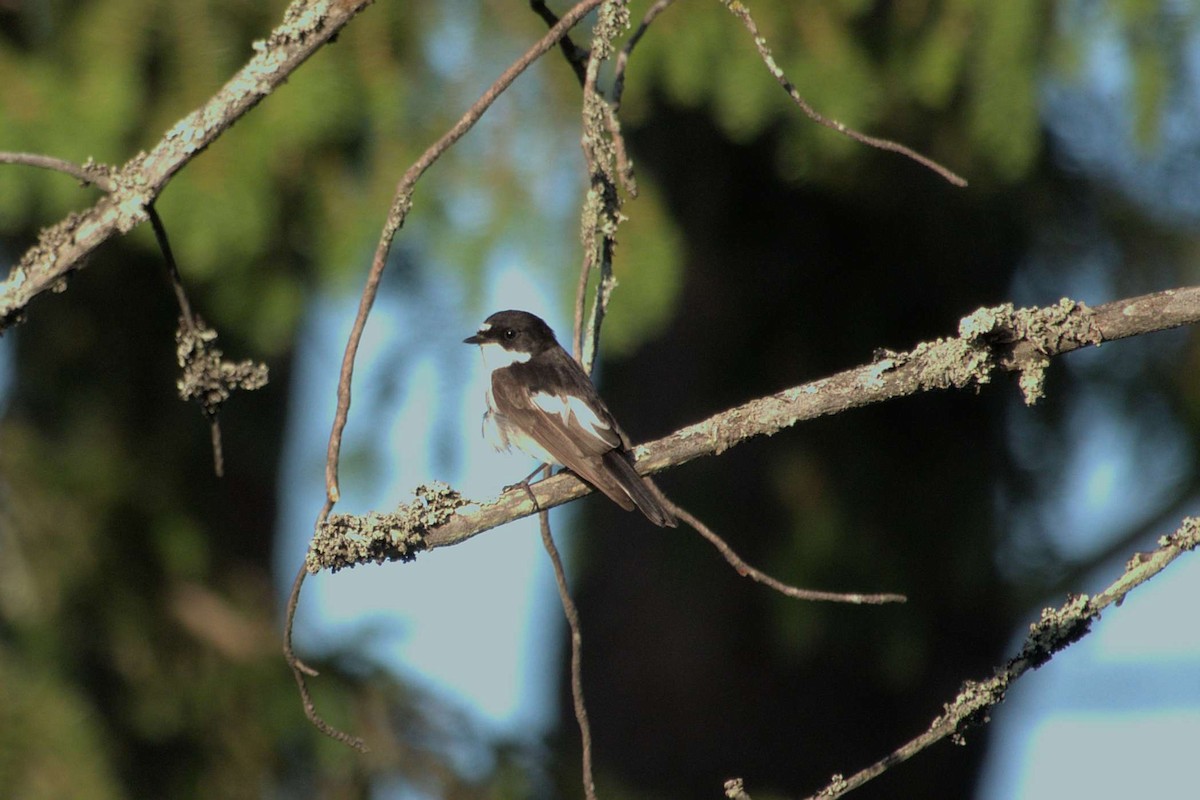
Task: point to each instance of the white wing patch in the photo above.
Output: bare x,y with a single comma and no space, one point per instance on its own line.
570,405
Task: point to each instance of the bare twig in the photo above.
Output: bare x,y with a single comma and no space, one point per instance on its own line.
1056,630
572,615
89,173
743,13
300,670
164,244
747,571
575,55
623,57
187,321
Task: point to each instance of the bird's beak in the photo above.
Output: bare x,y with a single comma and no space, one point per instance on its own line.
476,339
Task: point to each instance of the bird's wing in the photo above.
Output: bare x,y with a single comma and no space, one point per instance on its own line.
575,432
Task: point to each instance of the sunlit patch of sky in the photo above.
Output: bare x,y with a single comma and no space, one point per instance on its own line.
1102,755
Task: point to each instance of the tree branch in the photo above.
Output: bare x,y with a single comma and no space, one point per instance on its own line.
63,247
206,377
1055,631
601,142
90,173
991,340
575,55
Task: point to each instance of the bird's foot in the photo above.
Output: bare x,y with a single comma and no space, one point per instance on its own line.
524,484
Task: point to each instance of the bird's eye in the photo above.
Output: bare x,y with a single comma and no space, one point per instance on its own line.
509,333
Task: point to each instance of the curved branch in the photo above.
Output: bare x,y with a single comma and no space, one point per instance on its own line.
758,576
764,52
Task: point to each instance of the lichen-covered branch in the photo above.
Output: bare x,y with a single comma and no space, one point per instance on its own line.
601,215
1054,631
990,340
63,247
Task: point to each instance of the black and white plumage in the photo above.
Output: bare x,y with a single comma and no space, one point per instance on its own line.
541,401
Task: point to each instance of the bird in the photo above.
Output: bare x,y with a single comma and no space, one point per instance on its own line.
542,402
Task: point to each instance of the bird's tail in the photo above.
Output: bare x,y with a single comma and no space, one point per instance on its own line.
637,489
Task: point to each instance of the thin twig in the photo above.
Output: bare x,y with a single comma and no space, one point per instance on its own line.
89,173
623,57
747,571
576,56
1055,631
585,272
572,615
741,12
300,669
218,451
164,244
188,320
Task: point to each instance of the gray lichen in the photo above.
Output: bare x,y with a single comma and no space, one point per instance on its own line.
346,540
207,378
1046,330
